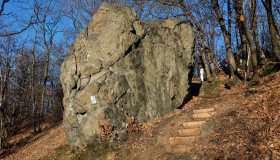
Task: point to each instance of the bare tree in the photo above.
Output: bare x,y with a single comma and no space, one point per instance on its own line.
6,59
226,36
49,28
274,33
5,29
248,33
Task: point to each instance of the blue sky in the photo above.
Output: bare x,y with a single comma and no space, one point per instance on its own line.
19,12
18,15
22,10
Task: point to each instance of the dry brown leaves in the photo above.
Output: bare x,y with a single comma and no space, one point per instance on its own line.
134,126
106,129
252,130
45,145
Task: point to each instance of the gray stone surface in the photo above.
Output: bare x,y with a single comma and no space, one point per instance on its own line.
133,69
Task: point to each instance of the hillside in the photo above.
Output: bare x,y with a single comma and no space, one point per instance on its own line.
245,126
139,79
39,146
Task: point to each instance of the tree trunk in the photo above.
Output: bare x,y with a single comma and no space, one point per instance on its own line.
248,33
253,27
33,99
3,105
242,51
211,59
45,79
252,30
274,33
229,18
206,65
226,35
3,130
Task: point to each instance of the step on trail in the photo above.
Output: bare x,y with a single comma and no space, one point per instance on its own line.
189,131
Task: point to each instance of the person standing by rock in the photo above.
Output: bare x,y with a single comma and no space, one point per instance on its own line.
201,73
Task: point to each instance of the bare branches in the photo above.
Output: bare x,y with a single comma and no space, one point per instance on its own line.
12,33
8,26
2,8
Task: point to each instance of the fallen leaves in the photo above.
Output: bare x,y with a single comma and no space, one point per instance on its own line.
252,130
45,145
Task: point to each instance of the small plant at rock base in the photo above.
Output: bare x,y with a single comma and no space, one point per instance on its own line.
106,132
134,126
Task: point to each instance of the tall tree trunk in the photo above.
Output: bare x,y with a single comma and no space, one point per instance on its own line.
33,99
3,130
274,33
248,34
252,35
3,105
242,51
253,27
206,65
226,35
229,19
45,79
243,40
236,33
211,58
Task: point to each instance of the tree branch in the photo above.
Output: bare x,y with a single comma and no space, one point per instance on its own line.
2,8
6,34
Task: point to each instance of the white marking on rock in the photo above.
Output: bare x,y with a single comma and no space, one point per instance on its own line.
93,99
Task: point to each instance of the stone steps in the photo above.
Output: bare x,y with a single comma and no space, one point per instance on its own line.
190,131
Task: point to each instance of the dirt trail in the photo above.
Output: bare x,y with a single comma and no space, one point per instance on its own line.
241,123
179,133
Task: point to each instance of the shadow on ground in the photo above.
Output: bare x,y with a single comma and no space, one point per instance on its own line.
193,91
14,148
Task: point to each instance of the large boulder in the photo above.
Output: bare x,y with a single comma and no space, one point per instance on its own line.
120,68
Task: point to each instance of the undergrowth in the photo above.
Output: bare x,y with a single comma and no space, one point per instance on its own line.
270,68
211,89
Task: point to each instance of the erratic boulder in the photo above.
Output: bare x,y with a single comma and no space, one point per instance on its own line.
120,68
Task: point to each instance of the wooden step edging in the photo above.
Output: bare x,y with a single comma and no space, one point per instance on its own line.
181,140
189,132
206,110
180,149
193,124
203,115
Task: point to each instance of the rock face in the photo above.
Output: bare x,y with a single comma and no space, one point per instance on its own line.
120,68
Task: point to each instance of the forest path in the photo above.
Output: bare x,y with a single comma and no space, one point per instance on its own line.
190,130
180,133
240,123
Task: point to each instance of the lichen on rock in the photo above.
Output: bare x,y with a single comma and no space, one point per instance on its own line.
133,69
